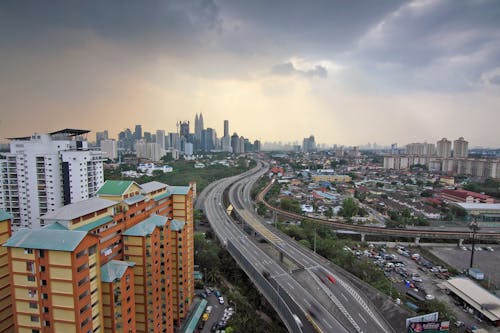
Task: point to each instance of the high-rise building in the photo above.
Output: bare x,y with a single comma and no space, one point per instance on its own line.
160,138
460,148
120,262
443,148
198,127
109,149
6,311
226,127
184,129
235,145
138,132
99,136
309,144
46,171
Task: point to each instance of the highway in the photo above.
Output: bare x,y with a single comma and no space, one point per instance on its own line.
348,306
226,231
331,307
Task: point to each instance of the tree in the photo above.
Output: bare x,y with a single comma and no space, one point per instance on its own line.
349,208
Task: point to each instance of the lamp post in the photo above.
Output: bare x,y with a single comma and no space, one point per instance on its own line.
474,226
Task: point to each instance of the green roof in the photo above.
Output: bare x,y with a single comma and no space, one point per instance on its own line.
192,321
177,225
4,215
179,189
114,270
56,226
47,239
115,187
134,199
97,223
162,196
146,227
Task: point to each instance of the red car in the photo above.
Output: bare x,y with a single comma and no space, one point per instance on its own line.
331,278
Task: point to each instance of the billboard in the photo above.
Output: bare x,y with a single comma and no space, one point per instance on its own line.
434,316
430,327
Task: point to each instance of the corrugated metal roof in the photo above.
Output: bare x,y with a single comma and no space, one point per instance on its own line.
97,223
177,225
114,270
179,189
4,215
56,226
134,199
47,239
77,209
152,186
190,325
146,227
162,196
115,187
479,206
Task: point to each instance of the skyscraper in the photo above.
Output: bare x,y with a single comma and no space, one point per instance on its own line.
226,127
184,129
460,148
138,132
443,148
160,138
46,171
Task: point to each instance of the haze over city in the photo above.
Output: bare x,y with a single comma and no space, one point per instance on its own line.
347,72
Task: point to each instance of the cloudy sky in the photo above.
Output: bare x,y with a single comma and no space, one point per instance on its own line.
349,72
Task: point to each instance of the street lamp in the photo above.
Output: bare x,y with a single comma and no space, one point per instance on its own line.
474,226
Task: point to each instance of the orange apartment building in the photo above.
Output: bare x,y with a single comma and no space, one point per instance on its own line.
6,315
141,274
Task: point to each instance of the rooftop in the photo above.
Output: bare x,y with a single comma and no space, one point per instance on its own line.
134,199
46,239
115,187
114,270
479,206
4,215
183,190
77,209
177,225
146,227
97,223
478,297
152,186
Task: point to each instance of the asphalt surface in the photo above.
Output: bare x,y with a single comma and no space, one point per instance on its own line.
339,298
226,231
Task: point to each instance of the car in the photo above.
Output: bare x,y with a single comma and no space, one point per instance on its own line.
209,309
221,300
205,316
222,324
489,248
204,295
463,248
429,297
217,293
214,327
207,291
331,278
201,325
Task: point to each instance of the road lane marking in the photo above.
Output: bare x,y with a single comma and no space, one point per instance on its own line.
345,297
360,316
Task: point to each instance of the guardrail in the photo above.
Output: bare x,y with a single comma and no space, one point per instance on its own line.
266,288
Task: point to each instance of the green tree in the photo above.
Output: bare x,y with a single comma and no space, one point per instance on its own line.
349,208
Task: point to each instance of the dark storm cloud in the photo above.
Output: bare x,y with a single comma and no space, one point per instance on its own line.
287,69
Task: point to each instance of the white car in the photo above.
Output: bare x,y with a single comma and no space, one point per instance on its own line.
221,300
429,297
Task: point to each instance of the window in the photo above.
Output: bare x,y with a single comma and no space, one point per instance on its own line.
33,305
31,278
28,251
34,318
29,266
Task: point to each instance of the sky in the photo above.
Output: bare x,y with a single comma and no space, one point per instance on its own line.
348,72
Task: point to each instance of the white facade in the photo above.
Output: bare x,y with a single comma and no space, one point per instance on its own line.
45,172
443,148
109,149
160,139
149,150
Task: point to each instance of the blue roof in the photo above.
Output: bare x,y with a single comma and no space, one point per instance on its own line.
47,239
162,196
134,199
97,223
146,227
190,325
4,215
177,225
179,189
114,270
56,226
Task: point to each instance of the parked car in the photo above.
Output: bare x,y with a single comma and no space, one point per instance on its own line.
217,293
221,300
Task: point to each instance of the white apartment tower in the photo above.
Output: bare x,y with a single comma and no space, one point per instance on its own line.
109,149
443,148
460,148
45,172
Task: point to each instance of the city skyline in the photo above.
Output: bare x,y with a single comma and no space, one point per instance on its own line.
405,71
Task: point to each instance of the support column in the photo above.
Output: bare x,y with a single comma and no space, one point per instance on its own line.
417,241
460,242
363,238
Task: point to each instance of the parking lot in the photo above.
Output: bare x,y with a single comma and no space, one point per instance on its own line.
418,277
216,313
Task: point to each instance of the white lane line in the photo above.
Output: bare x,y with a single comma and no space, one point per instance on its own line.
345,297
327,323
292,287
360,316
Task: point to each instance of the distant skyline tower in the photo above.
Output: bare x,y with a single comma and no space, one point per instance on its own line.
226,127
198,127
443,148
184,129
138,132
460,148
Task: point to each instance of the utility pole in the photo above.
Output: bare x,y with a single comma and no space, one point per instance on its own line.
474,226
